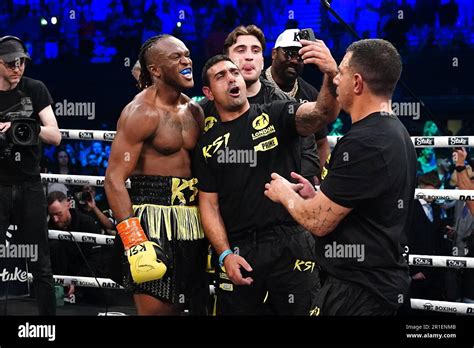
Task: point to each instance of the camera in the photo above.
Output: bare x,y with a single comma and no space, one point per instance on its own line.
307,34
84,197
24,130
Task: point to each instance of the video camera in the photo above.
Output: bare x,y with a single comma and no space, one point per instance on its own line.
84,197
24,130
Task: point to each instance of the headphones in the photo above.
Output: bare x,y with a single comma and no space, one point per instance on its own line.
14,38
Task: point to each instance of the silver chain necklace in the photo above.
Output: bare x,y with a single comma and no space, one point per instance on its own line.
292,93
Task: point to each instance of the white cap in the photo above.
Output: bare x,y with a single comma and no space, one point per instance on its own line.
289,38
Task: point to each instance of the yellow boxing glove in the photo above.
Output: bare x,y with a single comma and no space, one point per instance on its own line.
147,260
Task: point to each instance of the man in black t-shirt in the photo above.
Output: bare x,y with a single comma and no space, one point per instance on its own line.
266,260
284,74
366,200
65,255
22,199
245,46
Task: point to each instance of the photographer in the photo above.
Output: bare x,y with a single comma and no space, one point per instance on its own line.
25,113
88,205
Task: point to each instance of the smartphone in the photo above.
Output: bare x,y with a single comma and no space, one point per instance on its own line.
307,34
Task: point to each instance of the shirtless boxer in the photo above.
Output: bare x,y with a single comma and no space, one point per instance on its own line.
158,222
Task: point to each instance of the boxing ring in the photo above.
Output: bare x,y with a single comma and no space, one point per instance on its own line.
455,262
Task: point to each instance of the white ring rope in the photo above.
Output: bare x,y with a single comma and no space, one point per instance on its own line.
87,134
80,180
81,237
460,195
442,306
441,261
420,142
415,303
438,141
85,282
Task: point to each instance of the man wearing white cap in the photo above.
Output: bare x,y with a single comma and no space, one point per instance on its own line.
284,74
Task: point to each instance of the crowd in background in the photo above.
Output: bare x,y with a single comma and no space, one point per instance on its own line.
108,31
102,31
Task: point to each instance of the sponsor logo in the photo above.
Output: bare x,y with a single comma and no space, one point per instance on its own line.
458,141
110,285
422,141
445,309
261,121
428,306
58,281
456,263
17,275
109,241
223,275
304,266
226,286
81,181
86,135
112,314
65,237
209,150
89,239
263,132
65,134
109,136
420,195
68,180
50,180
422,261
209,122
466,198
100,182
470,310
266,145
433,197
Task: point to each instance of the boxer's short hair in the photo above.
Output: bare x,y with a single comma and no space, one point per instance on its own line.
242,30
379,63
209,64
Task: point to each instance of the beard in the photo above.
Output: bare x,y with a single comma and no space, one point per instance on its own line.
177,83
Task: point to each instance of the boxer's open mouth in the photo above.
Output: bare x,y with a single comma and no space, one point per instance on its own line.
234,91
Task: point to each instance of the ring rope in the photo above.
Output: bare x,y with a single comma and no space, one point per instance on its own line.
441,261
419,142
460,195
442,306
415,303
85,282
81,237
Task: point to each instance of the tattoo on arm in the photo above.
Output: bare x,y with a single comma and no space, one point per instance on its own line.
325,219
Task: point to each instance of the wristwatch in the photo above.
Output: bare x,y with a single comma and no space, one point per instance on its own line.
459,168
